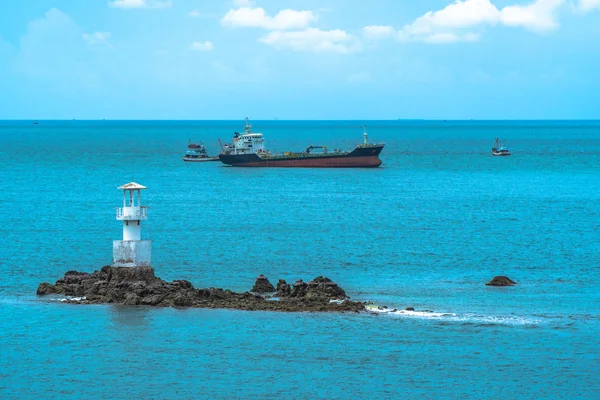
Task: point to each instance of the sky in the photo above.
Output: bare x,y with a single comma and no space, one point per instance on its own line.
300,59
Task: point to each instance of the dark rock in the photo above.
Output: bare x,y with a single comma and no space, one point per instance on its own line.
501,281
262,285
410,309
139,286
46,288
280,284
132,299
184,299
152,300
325,287
283,289
319,288
299,289
183,284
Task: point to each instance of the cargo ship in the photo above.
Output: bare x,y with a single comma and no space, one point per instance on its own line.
248,150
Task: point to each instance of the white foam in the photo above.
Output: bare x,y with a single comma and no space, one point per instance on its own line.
457,318
69,298
407,313
497,320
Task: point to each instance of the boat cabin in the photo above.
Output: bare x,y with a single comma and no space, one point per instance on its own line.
248,142
195,150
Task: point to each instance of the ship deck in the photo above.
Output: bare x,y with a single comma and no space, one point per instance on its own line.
302,155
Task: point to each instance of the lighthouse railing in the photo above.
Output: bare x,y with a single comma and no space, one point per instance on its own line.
132,213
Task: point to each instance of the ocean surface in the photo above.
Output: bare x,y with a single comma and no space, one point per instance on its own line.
427,230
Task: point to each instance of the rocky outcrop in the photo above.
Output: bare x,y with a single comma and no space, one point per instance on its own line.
139,286
318,288
501,281
262,285
283,288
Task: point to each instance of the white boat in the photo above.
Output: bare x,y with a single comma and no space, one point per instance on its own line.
500,149
197,153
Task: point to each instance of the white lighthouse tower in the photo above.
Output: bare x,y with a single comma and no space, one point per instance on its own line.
132,251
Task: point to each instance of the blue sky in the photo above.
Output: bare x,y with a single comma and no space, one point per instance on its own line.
300,59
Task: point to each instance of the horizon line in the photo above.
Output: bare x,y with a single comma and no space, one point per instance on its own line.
295,120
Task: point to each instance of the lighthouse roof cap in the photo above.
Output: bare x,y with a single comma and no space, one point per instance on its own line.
132,186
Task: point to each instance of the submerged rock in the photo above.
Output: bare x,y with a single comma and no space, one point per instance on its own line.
139,286
501,281
262,285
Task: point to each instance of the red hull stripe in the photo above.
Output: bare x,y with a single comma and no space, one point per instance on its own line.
333,162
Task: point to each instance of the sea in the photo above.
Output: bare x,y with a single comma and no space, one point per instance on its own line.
439,219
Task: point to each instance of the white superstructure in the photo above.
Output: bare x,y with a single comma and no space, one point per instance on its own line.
248,142
132,251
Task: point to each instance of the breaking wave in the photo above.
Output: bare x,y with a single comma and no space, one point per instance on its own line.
453,318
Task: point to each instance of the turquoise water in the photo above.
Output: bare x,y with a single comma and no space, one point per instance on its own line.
439,219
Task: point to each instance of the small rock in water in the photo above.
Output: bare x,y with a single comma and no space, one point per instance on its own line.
262,285
410,309
501,281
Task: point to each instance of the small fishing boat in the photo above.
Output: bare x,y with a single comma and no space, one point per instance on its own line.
500,149
196,153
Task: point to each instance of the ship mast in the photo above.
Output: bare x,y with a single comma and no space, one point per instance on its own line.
248,127
365,134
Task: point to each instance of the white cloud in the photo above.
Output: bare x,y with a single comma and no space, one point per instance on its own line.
194,13
243,3
447,25
537,16
258,18
589,5
378,31
443,38
128,4
96,38
202,46
457,15
313,40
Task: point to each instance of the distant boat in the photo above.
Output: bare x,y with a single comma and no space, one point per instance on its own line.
500,149
36,123
196,153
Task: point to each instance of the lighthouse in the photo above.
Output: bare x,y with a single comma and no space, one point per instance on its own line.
132,251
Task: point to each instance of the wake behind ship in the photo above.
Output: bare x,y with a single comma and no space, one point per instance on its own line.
248,150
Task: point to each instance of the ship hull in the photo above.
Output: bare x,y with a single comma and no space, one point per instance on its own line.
358,158
192,159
